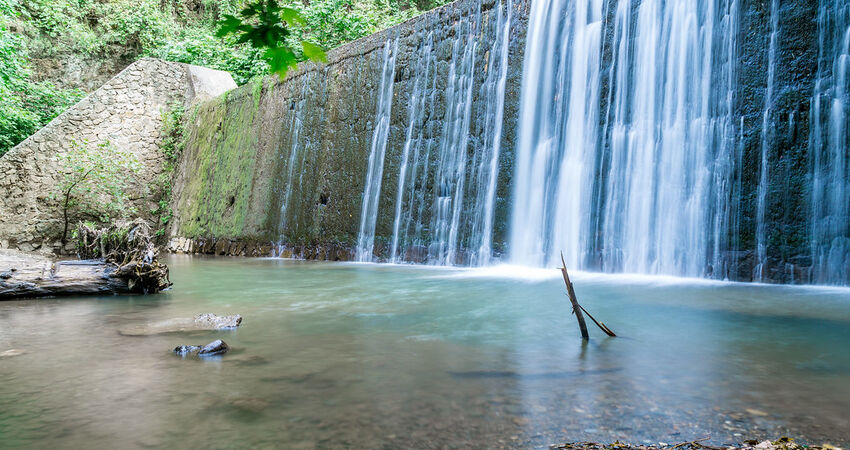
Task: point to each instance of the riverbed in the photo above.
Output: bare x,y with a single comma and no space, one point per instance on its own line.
384,356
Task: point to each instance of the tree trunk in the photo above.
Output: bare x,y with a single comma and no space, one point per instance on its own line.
23,276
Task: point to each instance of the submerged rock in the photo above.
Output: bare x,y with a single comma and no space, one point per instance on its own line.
212,321
11,353
217,347
186,349
201,322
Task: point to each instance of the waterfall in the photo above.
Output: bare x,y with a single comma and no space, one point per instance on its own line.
830,191
663,200
448,172
411,198
296,157
557,131
416,109
452,157
374,174
487,168
763,187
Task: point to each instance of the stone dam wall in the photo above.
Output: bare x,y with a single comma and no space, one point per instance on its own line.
127,111
286,162
390,145
280,167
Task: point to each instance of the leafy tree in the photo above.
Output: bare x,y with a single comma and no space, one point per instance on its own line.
255,37
95,181
335,22
265,25
24,106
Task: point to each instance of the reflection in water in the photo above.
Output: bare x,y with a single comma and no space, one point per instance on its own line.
367,356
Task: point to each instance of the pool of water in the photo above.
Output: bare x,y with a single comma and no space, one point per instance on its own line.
370,356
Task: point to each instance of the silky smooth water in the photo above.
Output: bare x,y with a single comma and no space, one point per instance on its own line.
367,356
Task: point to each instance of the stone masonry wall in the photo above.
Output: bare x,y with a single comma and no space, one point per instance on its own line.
126,111
235,174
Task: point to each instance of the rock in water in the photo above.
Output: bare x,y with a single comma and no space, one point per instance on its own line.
212,321
217,347
11,353
186,349
179,325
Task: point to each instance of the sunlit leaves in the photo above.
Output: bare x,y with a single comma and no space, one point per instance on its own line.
292,17
313,52
265,24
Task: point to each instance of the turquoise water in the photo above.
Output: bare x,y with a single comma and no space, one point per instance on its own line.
336,355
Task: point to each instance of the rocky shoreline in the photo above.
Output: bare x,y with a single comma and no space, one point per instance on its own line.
783,443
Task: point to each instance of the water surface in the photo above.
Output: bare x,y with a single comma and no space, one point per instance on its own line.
367,356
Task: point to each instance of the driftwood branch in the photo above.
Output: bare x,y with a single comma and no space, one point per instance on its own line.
601,326
577,309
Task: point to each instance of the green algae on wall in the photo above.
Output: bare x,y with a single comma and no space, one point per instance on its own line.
216,172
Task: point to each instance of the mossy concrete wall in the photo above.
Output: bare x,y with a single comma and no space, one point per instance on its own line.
235,172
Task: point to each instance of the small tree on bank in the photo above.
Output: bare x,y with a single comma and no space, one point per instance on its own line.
94,182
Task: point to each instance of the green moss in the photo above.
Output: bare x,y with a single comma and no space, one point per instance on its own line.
222,161
257,92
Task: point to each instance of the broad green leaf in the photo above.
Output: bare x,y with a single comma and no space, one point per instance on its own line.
292,17
314,52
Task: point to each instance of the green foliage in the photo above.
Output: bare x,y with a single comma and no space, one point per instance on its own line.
335,22
201,47
94,182
25,106
172,146
257,36
265,25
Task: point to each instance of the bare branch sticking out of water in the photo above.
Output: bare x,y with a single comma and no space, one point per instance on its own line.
577,308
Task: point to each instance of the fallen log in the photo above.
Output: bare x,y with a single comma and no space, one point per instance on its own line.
129,265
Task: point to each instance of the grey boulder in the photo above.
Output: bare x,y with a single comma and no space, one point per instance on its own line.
214,348
214,322
217,347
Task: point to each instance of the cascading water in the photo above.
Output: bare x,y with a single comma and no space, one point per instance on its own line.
764,181
487,167
296,158
434,220
414,141
661,204
632,149
557,132
830,192
369,211
452,157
